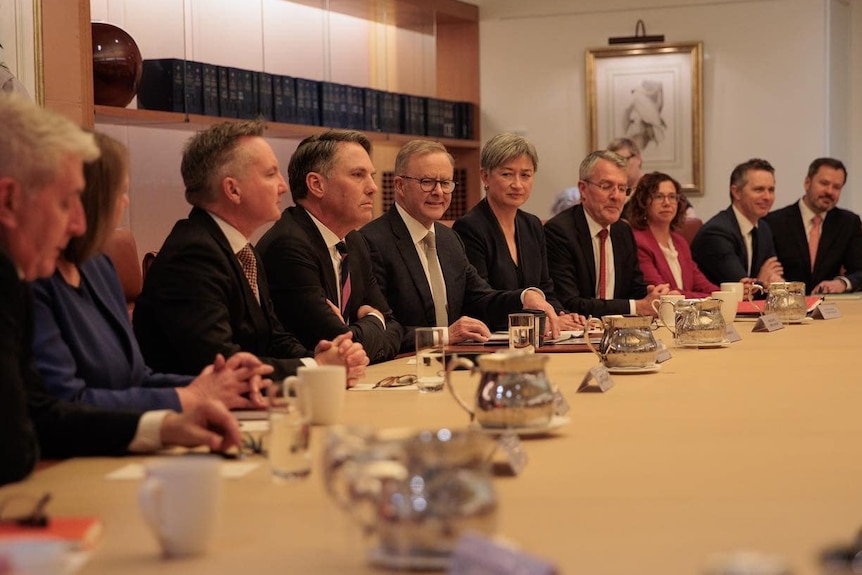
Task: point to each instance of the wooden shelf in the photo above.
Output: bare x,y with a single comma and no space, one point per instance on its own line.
195,122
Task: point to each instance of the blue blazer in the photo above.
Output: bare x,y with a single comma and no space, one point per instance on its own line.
84,345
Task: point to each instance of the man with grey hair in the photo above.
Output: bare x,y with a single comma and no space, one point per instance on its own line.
421,264
206,292
41,180
318,265
592,255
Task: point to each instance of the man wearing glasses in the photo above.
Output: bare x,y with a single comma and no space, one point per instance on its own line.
421,265
592,255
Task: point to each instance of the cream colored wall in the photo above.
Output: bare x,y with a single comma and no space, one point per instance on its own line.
766,90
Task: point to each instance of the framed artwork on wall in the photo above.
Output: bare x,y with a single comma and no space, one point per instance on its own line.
652,94
21,46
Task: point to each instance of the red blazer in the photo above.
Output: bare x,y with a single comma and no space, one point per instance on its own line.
656,270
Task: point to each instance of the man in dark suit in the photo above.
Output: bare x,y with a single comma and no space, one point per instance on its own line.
736,244
317,264
421,265
584,281
206,292
41,180
815,228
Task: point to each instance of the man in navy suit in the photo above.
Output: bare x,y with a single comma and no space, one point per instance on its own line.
736,244
816,226
411,250
318,265
206,291
578,236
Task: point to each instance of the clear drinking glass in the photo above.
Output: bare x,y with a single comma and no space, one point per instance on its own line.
430,358
522,331
289,435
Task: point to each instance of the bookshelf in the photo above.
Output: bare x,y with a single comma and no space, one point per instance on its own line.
68,74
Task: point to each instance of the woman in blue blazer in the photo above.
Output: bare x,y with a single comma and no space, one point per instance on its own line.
505,244
83,341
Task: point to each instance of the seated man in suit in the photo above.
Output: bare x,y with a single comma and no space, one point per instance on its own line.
317,264
814,238
42,155
421,265
592,253
736,244
206,292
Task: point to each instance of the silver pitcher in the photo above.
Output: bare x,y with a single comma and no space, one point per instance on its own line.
786,300
418,492
627,341
698,321
513,390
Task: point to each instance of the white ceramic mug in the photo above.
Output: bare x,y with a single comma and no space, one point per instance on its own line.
320,390
664,307
736,287
728,305
181,500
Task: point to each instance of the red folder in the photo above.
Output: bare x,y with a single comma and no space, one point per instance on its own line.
746,307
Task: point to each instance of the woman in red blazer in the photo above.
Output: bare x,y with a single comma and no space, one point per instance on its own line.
664,256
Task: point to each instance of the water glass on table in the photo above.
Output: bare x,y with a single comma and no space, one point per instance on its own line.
289,433
430,358
522,331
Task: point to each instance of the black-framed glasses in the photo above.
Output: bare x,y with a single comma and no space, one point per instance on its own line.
671,198
428,185
25,510
396,381
608,187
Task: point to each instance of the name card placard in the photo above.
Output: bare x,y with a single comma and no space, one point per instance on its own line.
826,310
475,554
662,353
601,376
516,457
731,334
767,323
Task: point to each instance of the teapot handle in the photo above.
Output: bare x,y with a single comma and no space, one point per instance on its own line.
456,362
749,294
591,322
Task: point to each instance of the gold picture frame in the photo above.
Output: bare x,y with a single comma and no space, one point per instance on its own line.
653,94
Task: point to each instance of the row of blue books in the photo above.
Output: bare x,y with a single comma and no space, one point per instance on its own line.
176,85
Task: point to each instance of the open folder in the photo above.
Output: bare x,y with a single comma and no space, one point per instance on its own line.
746,307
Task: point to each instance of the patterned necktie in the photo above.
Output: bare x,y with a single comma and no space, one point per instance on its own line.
249,266
603,280
438,287
344,272
814,238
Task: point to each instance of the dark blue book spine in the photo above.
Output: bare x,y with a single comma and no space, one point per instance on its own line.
329,105
194,87
246,96
210,89
226,93
284,99
371,110
162,85
265,106
355,108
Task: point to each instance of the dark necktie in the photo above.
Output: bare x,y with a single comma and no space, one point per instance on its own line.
603,268
435,273
344,273
752,272
249,266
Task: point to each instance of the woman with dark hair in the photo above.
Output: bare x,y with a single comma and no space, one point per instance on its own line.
505,244
656,215
83,341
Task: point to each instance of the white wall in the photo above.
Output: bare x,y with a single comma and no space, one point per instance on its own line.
767,89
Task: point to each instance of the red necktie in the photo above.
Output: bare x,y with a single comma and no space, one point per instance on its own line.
345,279
814,238
249,266
603,271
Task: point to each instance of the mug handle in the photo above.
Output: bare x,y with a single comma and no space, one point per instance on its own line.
671,328
750,295
590,322
459,362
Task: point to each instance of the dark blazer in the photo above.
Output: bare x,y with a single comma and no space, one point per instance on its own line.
85,348
301,279
573,265
196,302
402,279
489,253
31,421
840,245
656,269
718,248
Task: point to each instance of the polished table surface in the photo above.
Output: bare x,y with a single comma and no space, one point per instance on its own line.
754,447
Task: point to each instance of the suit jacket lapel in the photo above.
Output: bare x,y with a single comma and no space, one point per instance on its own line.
582,231
321,252
407,250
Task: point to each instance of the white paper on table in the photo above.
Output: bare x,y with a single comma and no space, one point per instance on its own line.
229,470
254,425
